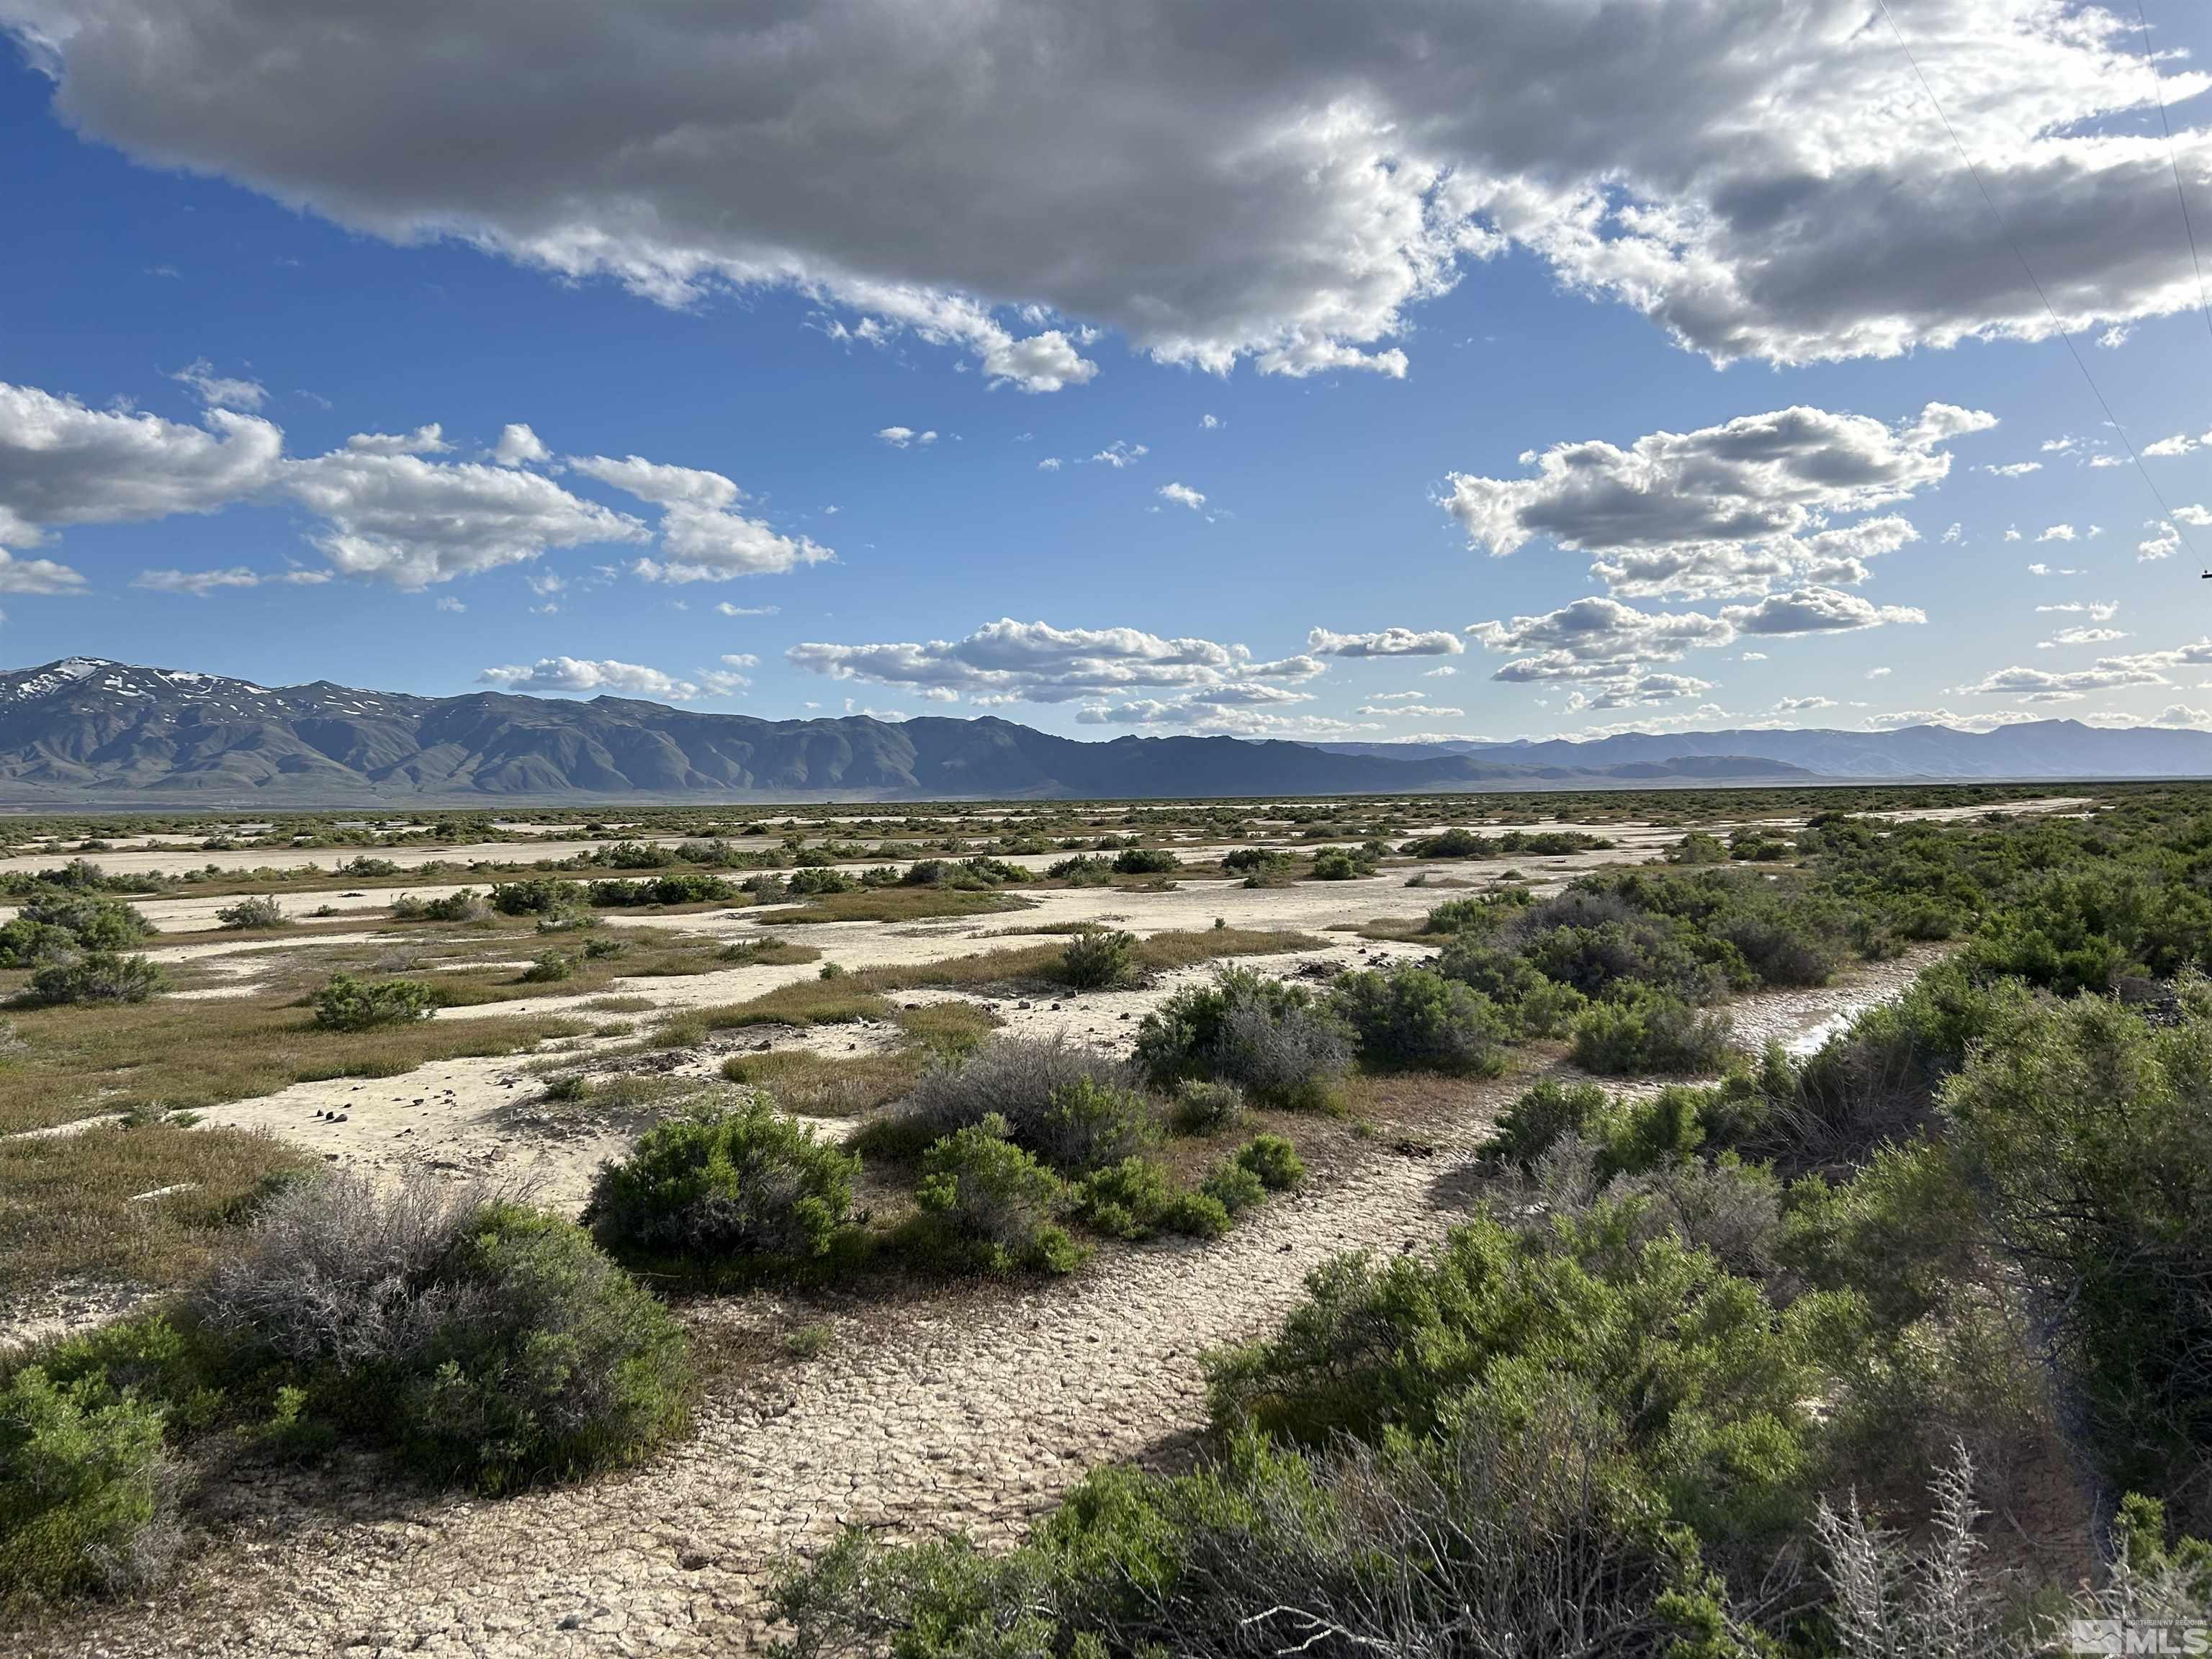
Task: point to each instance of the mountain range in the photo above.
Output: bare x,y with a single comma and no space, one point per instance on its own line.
88,731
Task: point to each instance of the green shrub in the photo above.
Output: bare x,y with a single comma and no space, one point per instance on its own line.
1125,1200
1274,1161
97,976
1146,861
539,895
1098,959
1086,870
1698,847
1537,1005
1203,1107
1196,1215
732,1184
1342,864
808,884
54,923
1068,1104
1408,1017
465,905
1234,1186
604,949
2087,1135
487,1342
549,967
1270,1039
86,1498
1649,1030
347,1004
1542,1115
261,912
989,1207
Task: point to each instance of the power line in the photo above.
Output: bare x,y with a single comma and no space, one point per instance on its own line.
2173,160
2165,511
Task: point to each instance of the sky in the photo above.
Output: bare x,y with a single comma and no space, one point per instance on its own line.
1365,370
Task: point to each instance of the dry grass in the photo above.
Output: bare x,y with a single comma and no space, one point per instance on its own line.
165,1054
826,1085
65,1208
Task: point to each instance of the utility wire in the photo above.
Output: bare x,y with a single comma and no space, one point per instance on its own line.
2173,160
2166,513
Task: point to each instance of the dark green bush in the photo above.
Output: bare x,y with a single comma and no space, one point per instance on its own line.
1538,1007
539,895
1233,1187
1069,1105
549,967
1542,1115
732,1184
1274,1161
97,976
466,905
1125,1200
1270,1038
1146,861
989,1207
1408,1017
1649,1030
347,1004
1098,959
87,1500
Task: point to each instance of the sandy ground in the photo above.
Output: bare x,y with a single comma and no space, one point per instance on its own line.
974,1409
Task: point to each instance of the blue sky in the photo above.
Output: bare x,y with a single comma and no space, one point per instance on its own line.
200,254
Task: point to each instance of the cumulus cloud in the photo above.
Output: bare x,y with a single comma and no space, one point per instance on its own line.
1724,510
1596,639
40,576
1218,183
2081,636
603,675
1009,662
1816,610
1121,453
2179,444
1803,705
221,390
62,464
905,437
412,523
1183,495
2059,533
519,446
423,441
386,509
2041,685
728,609
701,538
2014,469
1389,642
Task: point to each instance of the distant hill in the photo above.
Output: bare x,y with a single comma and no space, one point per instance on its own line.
2033,750
86,732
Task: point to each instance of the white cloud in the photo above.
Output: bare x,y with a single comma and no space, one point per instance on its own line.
1183,495
729,610
1879,673
1443,673
701,539
2101,462
905,437
1211,422
1725,511
447,602
1121,453
2095,610
2058,532
1803,705
2040,686
221,390
1008,661
1597,642
201,583
40,576
2163,543
605,676
2181,713
2013,470
62,464
2179,444
1400,711
1954,532
2081,636
412,523
423,441
1816,610
1050,464
519,446
1234,181
1389,642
